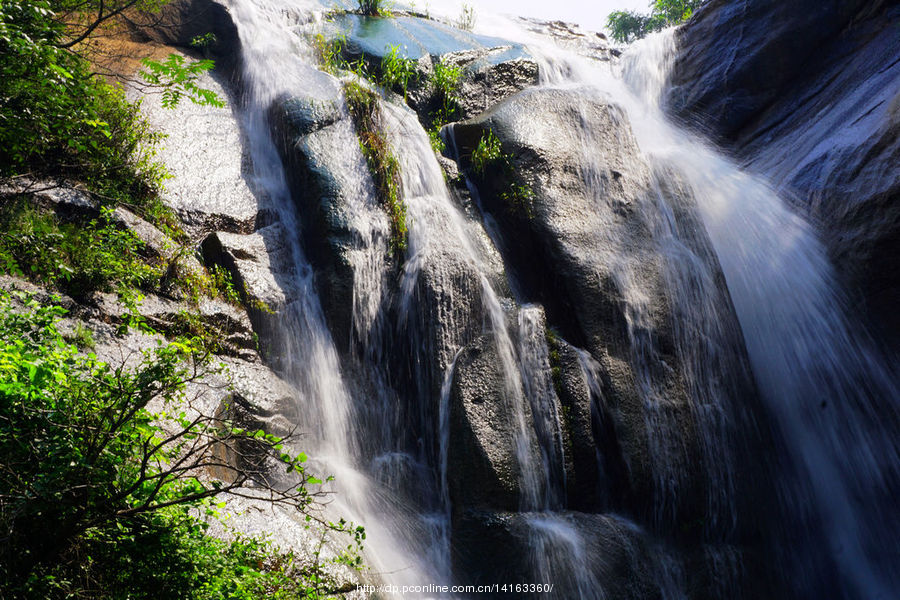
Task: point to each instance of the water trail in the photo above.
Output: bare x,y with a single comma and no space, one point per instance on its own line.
436,227
556,546
826,387
822,381
277,62
534,362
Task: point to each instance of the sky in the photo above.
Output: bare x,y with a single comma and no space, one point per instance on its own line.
590,14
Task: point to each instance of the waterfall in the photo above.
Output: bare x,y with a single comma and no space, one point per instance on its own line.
376,405
826,388
343,437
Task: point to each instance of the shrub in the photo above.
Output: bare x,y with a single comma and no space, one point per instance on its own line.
99,497
73,257
466,20
330,52
83,337
373,8
445,82
444,88
486,154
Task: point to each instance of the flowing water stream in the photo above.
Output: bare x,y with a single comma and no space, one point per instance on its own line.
823,385
826,388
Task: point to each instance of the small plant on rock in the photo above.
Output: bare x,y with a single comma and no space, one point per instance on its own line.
466,20
383,165
488,155
445,86
396,71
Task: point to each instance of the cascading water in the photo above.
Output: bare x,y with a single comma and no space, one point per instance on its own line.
825,386
388,446
345,439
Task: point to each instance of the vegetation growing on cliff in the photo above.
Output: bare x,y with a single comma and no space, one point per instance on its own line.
106,483
106,469
627,26
488,158
444,95
383,165
59,119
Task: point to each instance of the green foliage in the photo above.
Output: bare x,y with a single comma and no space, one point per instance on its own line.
83,337
519,198
204,41
444,96
196,284
445,83
488,156
627,26
383,164
99,498
330,52
75,258
434,137
396,71
58,119
178,80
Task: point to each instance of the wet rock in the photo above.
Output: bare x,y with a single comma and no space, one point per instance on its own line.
489,76
585,245
806,94
484,466
612,558
586,454
342,220
740,57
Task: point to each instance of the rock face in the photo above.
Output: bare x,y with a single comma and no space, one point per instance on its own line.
206,154
807,93
261,266
588,245
489,76
484,465
617,560
180,22
342,222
